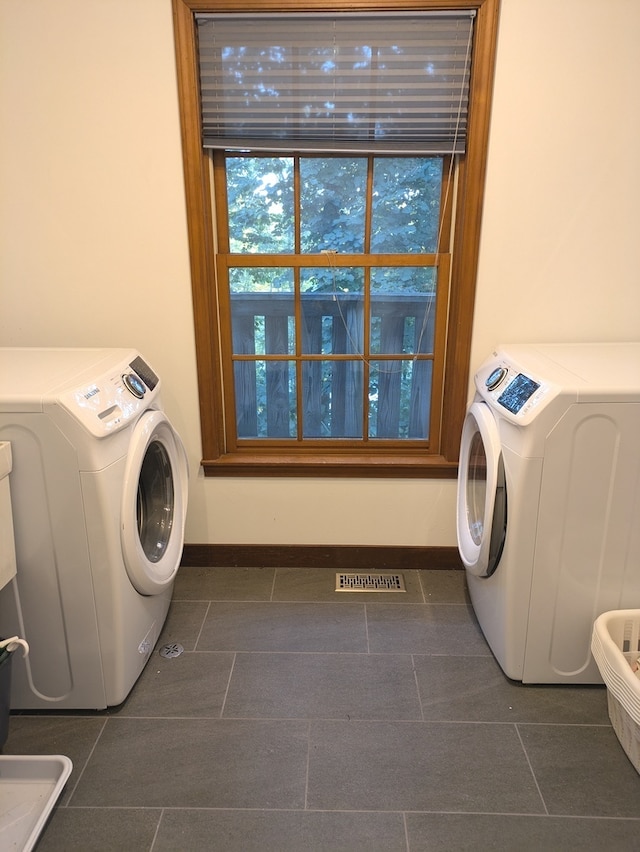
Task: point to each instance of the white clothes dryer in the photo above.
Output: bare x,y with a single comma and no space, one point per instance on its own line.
99,498
549,501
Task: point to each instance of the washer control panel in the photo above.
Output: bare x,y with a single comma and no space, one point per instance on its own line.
111,401
134,385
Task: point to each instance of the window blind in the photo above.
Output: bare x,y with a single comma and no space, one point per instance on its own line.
385,82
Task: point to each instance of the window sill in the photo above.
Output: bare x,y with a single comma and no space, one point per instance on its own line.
390,466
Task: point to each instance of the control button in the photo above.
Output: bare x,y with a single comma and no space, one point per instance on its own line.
496,377
134,384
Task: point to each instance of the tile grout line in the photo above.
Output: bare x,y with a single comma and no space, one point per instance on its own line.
405,825
86,763
156,832
415,678
226,691
533,774
204,621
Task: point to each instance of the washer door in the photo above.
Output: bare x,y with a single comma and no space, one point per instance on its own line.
482,493
154,504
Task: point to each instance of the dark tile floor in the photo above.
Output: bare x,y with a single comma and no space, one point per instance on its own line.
301,719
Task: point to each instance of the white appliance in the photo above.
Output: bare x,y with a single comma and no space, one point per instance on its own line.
7,548
99,497
548,512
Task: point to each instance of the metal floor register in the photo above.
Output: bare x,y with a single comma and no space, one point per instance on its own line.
370,583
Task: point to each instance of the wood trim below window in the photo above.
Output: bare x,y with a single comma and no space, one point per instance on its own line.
384,466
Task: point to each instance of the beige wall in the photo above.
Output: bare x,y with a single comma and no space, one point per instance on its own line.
93,247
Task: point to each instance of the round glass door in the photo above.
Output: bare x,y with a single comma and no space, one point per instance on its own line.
476,487
154,504
481,510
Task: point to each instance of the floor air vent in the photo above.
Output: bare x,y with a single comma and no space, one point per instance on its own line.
370,583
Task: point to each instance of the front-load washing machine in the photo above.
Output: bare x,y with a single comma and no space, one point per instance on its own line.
99,498
548,502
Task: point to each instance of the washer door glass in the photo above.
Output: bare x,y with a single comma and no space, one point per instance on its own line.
154,504
482,496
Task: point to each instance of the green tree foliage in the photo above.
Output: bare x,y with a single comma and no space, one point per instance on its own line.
404,216
403,219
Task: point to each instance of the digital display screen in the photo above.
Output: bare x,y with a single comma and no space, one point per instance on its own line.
145,372
517,393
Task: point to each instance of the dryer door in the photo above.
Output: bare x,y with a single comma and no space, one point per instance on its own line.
154,504
482,495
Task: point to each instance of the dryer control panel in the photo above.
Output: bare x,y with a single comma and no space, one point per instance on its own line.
113,400
517,392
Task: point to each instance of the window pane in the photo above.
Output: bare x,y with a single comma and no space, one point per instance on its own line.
262,311
261,204
403,310
332,310
265,399
399,399
332,399
332,203
406,204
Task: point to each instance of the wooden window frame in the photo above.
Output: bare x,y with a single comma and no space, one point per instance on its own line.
273,461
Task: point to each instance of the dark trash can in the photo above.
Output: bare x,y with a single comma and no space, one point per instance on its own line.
5,694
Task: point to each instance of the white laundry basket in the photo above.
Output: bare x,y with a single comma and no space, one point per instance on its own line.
615,645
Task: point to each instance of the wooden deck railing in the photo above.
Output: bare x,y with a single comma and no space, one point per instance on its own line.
333,326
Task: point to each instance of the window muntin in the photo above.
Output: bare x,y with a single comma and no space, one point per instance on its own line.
357,326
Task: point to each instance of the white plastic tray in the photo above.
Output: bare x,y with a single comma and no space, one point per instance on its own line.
29,788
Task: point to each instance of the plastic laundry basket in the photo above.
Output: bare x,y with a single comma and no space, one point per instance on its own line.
615,644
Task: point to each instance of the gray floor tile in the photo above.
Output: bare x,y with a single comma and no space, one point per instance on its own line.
72,735
581,772
100,830
196,763
284,627
318,584
193,684
184,623
419,766
474,689
444,587
504,833
426,629
224,584
347,686
284,831
471,761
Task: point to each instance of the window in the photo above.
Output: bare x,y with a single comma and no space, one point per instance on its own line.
332,316
340,345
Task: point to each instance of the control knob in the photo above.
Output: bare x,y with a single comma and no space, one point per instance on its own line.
134,385
496,377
